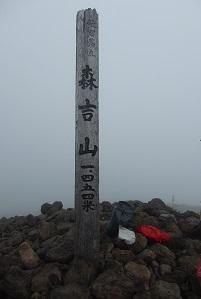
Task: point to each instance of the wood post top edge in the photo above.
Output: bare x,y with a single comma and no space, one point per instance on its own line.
88,10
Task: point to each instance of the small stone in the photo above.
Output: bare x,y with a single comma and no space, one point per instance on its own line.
64,227
165,269
143,295
71,291
166,217
173,228
111,264
187,225
113,284
47,229
33,235
189,263
49,209
80,272
16,238
36,295
62,252
28,256
140,243
47,277
164,290
122,256
32,220
142,218
157,202
147,255
105,210
163,254
138,272
45,207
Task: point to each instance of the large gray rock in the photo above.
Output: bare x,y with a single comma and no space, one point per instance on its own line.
49,209
157,203
156,207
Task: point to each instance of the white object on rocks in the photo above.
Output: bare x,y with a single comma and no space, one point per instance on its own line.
126,235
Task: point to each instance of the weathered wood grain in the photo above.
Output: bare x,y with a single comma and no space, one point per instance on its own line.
87,137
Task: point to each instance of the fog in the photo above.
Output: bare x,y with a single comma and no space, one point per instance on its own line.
150,122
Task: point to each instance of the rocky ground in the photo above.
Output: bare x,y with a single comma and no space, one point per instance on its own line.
37,258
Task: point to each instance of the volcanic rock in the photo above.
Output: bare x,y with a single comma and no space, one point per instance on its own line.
17,283
163,254
47,277
37,256
140,243
123,256
113,284
139,273
165,290
28,257
80,272
71,291
50,209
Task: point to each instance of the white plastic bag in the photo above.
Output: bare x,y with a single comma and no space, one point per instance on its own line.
128,236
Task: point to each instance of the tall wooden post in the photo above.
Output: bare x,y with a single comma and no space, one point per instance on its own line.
87,137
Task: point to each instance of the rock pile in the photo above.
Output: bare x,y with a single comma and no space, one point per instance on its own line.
37,257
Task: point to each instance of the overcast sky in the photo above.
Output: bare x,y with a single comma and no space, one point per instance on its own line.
150,101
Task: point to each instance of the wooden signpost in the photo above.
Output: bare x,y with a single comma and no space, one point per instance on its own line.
87,137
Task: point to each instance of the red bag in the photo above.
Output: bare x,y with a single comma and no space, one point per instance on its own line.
153,233
199,270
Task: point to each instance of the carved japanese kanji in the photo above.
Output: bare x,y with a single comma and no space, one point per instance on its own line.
87,237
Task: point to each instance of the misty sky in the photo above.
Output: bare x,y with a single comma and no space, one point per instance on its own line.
150,101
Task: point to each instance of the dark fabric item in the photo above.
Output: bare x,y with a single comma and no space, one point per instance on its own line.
113,226
124,212
153,233
121,214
